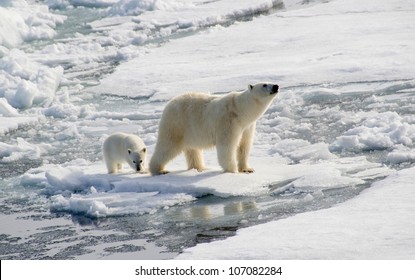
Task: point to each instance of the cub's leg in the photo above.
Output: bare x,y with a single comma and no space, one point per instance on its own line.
194,159
244,149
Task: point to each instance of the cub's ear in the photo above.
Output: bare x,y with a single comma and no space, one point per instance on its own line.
129,151
144,150
250,87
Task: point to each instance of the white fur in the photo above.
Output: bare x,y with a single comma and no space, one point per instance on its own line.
195,121
121,147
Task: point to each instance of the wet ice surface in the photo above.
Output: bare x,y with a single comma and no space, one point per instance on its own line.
321,143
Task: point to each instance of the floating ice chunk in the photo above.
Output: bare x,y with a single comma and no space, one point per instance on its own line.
329,178
23,149
301,150
136,7
116,204
400,155
382,131
93,3
25,94
12,28
57,4
6,110
8,124
26,83
20,21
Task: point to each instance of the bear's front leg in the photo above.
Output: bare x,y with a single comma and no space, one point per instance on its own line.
226,149
244,149
112,167
227,158
165,151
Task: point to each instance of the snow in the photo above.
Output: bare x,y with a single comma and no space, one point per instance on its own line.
377,224
288,47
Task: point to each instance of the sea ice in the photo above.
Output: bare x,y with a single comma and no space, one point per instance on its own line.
377,224
71,183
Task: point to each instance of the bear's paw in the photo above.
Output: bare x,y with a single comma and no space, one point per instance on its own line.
247,170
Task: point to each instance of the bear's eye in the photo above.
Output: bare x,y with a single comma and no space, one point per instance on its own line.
141,161
264,85
134,161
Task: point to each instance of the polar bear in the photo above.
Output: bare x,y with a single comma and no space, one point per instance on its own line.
121,147
195,121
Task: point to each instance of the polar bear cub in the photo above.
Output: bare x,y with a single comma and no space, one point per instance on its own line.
121,147
195,121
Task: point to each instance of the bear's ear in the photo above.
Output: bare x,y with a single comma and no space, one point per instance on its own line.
250,87
144,150
129,151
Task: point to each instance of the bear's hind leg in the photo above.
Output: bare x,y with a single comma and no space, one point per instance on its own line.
194,159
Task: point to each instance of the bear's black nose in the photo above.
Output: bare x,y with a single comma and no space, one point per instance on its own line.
275,88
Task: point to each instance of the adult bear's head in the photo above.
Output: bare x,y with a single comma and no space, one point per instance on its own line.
269,89
263,93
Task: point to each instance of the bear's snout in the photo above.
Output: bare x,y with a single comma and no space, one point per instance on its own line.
274,89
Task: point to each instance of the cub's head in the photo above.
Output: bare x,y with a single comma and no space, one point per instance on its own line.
264,90
137,159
